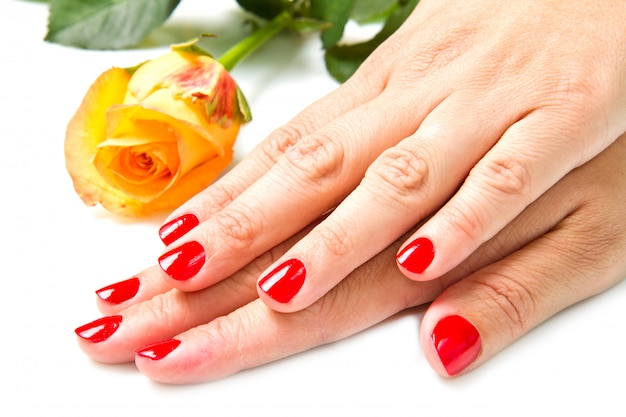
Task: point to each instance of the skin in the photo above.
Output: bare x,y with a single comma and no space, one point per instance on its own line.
458,122
505,288
475,121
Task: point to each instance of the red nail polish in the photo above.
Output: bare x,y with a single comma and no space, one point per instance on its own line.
176,228
417,255
99,330
183,262
284,282
119,292
159,350
457,342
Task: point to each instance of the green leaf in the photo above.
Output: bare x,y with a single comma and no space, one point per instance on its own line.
267,9
343,60
334,12
367,11
105,24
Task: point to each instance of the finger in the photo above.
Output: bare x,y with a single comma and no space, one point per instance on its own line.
157,312
473,320
114,337
140,287
339,315
505,181
406,183
306,182
254,334
480,315
348,96
374,292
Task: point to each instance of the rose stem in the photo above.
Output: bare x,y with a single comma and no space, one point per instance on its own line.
257,38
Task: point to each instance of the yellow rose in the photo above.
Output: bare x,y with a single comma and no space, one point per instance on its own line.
148,138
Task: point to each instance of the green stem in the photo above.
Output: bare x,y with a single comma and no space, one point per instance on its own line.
244,48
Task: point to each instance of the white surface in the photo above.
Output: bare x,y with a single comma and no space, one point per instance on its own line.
56,252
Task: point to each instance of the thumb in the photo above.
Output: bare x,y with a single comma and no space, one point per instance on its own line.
582,255
480,315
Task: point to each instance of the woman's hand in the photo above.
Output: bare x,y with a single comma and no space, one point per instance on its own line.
566,246
470,111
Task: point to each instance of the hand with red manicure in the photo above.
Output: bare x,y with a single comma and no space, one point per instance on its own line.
459,121
497,294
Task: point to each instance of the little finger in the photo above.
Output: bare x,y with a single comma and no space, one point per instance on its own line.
531,157
582,255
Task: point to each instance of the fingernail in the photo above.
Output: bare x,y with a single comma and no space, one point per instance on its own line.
457,342
119,292
99,330
176,228
417,255
183,262
284,282
159,350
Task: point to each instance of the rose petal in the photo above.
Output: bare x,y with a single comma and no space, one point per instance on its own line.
191,76
85,131
123,155
163,104
153,75
195,144
139,171
190,184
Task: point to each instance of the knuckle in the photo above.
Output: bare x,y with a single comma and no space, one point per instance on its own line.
315,159
329,316
164,307
238,228
371,71
335,239
230,331
594,246
316,318
221,195
397,175
575,83
465,219
222,328
281,140
504,176
436,52
511,297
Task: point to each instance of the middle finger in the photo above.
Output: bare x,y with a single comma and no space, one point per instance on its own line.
403,186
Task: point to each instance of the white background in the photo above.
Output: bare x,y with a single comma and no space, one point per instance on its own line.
56,252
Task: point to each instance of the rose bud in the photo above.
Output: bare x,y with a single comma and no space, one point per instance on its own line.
146,139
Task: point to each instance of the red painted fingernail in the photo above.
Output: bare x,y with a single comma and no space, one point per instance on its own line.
457,342
99,330
159,350
184,262
284,282
176,228
120,291
417,255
